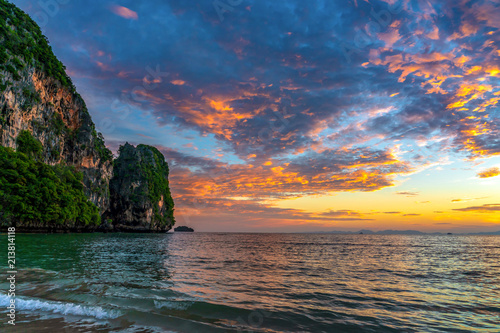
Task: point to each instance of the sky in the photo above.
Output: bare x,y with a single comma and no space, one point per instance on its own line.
298,115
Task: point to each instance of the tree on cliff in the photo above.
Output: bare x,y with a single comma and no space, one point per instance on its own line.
37,195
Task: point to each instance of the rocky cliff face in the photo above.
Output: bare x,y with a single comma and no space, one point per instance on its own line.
140,194
37,95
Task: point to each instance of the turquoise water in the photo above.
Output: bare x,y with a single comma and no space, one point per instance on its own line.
210,282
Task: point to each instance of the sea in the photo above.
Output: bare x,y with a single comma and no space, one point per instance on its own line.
250,282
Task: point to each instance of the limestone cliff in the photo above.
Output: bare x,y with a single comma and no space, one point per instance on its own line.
37,95
140,194
46,120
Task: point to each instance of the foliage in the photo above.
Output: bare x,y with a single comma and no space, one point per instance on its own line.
3,56
104,153
23,44
18,63
33,193
146,166
4,85
156,172
20,36
28,145
12,70
23,48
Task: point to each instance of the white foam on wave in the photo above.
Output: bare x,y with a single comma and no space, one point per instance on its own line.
173,305
32,304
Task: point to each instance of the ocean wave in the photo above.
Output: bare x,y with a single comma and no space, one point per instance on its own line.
173,305
146,329
33,304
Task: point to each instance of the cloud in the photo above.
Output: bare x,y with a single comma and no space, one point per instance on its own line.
337,213
124,12
145,136
281,96
408,193
178,82
467,199
330,171
491,172
487,208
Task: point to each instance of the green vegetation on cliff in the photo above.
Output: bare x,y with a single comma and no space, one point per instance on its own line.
24,44
156,172
28,145
47,121
140,193
36,195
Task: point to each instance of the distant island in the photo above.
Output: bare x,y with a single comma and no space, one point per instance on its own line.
183,229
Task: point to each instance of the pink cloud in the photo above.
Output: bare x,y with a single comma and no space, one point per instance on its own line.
124,12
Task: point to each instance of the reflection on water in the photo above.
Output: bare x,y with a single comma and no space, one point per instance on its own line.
208,282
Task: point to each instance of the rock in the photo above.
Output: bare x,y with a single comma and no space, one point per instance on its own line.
37,95
140,194
183,229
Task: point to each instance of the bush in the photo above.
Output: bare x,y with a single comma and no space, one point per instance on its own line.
3,57
28,145
33,193
104,153
22,37
18,63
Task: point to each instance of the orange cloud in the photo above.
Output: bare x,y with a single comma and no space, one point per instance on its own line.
434,34
390,37
491,172
469,86
279,180
124,12
215,113
466,29
178,82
